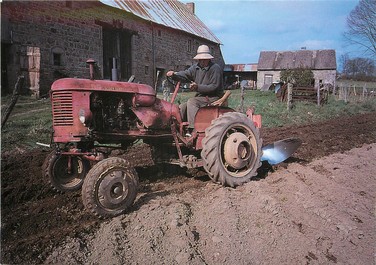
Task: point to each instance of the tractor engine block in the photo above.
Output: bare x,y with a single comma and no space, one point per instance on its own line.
111,112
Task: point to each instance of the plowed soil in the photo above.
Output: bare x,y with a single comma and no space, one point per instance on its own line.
315,208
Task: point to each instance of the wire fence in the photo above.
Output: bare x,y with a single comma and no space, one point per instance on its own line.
354,93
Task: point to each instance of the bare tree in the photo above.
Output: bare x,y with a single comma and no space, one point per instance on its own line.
361,24
362,69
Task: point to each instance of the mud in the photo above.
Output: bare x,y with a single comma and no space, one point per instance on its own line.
315,208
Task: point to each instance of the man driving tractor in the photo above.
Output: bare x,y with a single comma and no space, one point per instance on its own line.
206,79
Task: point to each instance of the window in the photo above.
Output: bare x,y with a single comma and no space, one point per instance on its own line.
57,56
189,46
212,52
57,59
146,70
268,79
159,33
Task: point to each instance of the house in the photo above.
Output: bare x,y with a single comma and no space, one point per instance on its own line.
47,40
321,62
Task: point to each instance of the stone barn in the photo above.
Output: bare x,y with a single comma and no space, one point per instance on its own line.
321,62
47,40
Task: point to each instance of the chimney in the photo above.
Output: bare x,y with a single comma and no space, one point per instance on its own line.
191,7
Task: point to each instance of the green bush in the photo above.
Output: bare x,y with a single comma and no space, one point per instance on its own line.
302,77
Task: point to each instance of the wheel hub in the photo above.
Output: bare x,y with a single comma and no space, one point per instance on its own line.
113,189
237,150
67,172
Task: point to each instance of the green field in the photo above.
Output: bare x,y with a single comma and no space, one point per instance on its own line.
30,121
275,113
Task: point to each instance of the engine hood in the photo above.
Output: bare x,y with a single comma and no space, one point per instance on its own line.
101,85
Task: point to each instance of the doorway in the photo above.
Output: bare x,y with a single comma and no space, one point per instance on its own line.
116,54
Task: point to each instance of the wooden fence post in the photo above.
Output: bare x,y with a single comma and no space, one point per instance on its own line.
346,91
365,94
242,99
14,99
289,96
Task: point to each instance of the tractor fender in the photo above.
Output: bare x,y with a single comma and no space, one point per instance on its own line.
204,118
206,115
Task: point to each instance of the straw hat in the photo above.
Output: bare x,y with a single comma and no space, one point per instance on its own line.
203,52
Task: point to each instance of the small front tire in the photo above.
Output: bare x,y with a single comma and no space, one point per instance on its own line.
110,187
65,173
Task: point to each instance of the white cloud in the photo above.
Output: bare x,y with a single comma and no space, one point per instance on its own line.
215,24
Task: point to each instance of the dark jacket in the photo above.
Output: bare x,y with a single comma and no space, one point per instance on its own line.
209,79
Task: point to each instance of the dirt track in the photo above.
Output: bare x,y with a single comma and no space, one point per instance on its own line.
317,208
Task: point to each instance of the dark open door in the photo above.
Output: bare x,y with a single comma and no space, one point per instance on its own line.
5,89
116,54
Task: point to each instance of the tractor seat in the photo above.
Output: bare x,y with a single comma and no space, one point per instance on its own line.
223,101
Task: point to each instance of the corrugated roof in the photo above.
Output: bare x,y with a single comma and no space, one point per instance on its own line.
252,67
313,59
170,13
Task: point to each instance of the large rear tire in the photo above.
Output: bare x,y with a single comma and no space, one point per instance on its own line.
232,149
110,187
65,173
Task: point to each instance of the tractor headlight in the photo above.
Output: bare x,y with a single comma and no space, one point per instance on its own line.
85,116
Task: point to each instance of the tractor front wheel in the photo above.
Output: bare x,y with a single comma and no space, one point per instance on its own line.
232,149
65,173
110,187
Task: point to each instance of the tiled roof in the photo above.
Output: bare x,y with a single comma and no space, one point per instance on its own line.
312,59
170,13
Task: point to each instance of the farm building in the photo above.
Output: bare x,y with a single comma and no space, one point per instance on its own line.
321,62
244,74
47,40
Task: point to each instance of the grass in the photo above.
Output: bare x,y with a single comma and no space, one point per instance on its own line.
31,119
275,113
29,122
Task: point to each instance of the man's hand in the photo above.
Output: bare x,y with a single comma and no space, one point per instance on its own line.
170,73
193,86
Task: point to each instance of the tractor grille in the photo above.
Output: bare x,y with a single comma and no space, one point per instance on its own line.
62,108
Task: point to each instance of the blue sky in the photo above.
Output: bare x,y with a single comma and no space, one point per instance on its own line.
249,26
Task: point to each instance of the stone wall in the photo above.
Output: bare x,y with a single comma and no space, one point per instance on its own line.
47,40
323,76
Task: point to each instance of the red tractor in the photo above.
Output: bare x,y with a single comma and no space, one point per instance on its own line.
89,114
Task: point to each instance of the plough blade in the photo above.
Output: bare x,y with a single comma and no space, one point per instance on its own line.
279,151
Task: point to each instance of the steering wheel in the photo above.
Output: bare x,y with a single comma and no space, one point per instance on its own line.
176,79
176,84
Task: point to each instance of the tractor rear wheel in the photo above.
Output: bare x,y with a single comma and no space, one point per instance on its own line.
232,149
65,173
110,187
